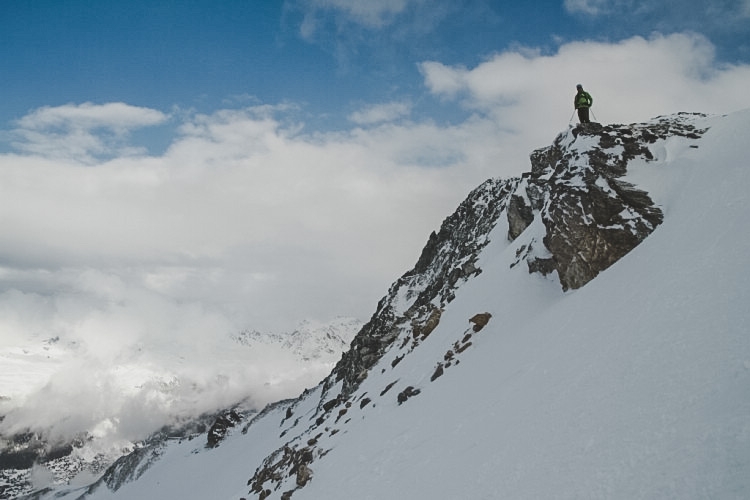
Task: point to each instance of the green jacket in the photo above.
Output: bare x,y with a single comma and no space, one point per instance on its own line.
583,100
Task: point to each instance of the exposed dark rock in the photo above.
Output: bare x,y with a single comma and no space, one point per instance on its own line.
342,412
284,462
480,320
406,394
397,360
388,387
448,257
329,405
58,451
541,266
221,426
421,331
130,467
305,455
462,348
520,216
22,459
593,218
303,475
438,372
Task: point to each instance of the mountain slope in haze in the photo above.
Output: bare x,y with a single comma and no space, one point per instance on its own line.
310,341
578,332
164,402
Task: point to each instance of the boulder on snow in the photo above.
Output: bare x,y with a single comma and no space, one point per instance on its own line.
406,394
480,320
304,473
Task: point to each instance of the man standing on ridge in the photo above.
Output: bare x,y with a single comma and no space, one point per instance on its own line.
582,102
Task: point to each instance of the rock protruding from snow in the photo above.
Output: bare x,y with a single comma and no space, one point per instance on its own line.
220,427
449,258
592,217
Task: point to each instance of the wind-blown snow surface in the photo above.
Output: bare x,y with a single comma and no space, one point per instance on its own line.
635,386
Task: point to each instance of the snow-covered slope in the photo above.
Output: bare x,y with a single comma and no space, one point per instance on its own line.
479,377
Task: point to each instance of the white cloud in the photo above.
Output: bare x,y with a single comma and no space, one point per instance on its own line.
443,80
242,209
590,7
246,214
699,15
116,116
379,113
83,131
631,80
365,12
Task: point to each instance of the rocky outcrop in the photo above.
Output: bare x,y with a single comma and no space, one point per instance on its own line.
448,258
591,215
221,426
575,188
285,462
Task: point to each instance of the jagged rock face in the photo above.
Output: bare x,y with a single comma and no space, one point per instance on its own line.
221,426
592,216
449,257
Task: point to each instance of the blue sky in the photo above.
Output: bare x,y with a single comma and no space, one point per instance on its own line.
257,163
328,56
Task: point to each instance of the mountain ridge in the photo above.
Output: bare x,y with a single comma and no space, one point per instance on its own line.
543,382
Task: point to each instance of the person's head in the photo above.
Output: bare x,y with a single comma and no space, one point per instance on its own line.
579,87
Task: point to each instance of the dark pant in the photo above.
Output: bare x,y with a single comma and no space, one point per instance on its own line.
583,115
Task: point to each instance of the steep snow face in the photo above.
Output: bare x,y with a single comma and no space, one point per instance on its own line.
480,377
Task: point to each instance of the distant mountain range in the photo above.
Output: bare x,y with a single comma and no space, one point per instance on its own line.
310,341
